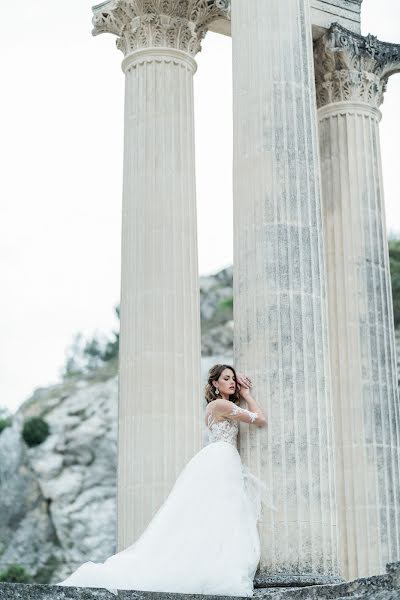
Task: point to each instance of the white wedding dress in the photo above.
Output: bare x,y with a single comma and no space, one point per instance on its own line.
204,537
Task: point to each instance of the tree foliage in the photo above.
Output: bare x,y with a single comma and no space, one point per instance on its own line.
5,422
87,355
394,256
226,304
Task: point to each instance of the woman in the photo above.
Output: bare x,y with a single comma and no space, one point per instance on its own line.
204,538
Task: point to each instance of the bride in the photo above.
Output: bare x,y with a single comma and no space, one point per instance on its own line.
204,537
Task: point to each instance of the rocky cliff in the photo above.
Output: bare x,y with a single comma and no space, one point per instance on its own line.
57,499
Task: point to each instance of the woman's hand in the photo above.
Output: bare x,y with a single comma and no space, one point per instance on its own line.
244,384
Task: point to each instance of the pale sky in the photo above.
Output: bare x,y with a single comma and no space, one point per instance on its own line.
61,123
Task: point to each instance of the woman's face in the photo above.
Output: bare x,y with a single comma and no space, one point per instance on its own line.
226,382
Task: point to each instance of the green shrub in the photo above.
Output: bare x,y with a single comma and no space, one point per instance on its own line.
226,304
15,574
394,256
35,431
5,423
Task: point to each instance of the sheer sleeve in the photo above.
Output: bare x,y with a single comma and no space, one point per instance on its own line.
242,414
210,420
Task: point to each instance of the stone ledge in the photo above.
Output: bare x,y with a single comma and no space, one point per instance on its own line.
377,587
28,591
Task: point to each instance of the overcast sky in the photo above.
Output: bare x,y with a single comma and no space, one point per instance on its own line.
61,123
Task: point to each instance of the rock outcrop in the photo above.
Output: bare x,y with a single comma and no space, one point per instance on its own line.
58,499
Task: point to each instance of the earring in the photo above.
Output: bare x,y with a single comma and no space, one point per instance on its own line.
216,391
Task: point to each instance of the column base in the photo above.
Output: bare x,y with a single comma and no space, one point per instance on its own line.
267,580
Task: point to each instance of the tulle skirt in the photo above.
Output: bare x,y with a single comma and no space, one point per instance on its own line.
202,540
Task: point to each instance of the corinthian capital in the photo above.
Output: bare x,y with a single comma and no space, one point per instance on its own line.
351,67
178,24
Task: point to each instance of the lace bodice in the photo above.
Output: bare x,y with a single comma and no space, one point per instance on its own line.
226,429
222,431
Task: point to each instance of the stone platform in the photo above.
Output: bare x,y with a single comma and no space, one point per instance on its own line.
377,587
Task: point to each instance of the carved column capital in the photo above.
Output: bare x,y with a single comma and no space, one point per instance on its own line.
177,24
351,67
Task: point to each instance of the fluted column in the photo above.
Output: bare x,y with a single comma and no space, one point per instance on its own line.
351,76
160,419
279,287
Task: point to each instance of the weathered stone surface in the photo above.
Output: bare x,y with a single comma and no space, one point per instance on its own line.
323,14
353,68
351,75
381,587
281,329
63,490
214,289
27,532
162,23
160,346
217,339
345,12
216,312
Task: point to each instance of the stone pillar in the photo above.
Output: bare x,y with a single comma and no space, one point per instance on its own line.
279,288
160,409
351,76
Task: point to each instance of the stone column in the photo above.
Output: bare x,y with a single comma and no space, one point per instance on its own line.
160,409
351,76
279,288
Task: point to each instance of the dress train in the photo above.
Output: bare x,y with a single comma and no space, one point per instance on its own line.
204,537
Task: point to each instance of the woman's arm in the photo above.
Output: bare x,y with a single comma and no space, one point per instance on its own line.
253,407
226,408
244,390
247,416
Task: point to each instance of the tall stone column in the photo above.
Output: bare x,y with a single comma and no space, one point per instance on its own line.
351,76
279,288
160,419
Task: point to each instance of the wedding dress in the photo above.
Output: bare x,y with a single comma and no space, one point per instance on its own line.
204,538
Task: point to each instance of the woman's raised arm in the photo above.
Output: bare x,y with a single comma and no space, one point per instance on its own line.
228,409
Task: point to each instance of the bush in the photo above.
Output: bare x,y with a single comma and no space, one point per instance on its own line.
394,256
226,304
35,431
5,423
15,574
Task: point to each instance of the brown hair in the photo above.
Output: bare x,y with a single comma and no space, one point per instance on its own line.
213,375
